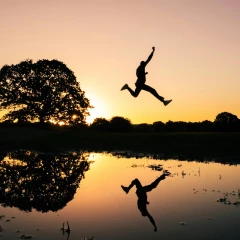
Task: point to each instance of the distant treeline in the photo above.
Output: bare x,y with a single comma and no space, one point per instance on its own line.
224,122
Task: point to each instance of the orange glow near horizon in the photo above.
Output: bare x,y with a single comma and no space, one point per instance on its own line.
196,62
100,110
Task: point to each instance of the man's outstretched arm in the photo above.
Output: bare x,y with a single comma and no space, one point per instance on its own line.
150,56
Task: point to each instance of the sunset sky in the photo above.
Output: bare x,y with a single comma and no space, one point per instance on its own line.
196,62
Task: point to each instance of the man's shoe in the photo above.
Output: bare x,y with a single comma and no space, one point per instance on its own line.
167,102
124,87
125,189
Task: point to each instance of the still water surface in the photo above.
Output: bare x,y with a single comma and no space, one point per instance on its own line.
37,198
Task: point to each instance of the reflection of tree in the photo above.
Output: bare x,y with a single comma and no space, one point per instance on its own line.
45,182
2,155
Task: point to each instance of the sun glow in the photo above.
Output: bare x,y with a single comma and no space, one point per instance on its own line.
99,111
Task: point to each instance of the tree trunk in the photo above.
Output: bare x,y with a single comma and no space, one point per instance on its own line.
41,120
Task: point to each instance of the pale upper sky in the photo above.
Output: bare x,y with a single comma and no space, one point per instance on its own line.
196,62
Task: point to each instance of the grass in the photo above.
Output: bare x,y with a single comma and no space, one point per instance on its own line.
223,147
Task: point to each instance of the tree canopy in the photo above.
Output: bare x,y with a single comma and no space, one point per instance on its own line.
45,182
226,121
101,124
226,118
43,91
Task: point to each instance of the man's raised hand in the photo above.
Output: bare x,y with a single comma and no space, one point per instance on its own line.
153,48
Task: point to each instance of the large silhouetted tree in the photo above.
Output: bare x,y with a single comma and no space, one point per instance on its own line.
42,91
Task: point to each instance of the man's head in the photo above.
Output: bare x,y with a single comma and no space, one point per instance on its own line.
142,63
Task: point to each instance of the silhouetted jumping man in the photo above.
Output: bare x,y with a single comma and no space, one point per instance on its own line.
142,195
141,79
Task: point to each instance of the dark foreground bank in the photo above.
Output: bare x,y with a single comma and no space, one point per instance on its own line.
222,147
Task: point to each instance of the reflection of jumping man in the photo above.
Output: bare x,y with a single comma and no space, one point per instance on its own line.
141,79
142,195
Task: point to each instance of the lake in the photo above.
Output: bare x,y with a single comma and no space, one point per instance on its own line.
40,192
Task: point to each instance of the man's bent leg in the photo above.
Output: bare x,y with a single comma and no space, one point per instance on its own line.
134,93
135,182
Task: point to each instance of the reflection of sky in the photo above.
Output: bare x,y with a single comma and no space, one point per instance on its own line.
100,208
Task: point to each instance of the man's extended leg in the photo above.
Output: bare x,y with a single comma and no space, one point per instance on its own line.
152,221
154,184
155,94
135,182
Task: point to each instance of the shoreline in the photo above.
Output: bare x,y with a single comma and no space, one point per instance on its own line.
223,146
